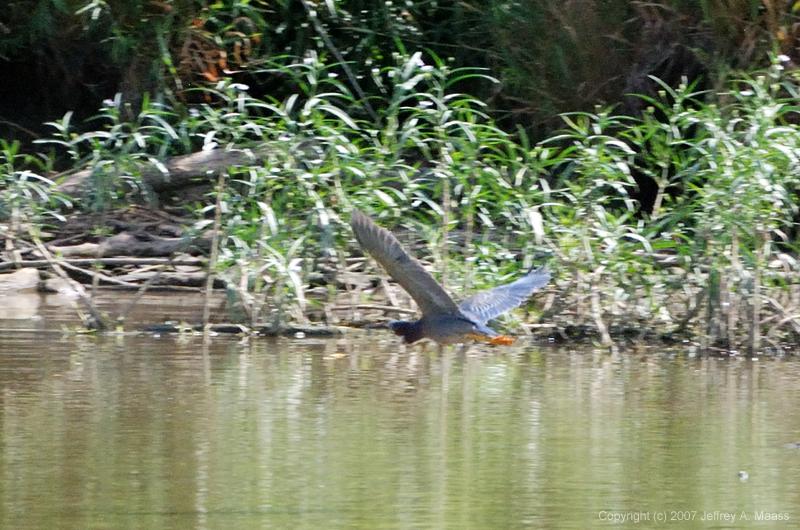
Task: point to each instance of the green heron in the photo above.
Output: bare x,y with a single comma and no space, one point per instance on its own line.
442,320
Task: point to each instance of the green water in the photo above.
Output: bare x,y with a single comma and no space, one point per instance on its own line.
165,433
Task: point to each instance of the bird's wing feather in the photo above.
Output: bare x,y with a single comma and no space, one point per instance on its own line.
483,306
408,272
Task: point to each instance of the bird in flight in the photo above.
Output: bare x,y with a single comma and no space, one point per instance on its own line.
443,321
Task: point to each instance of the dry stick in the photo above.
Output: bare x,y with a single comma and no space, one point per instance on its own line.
580,299
252,306
212,262
445,227
703,315
662,186
549,302
733,298
143,288
755,326
20,127
96,275
692,312
95,278
711,315
605,337
261,267
385,308
246,299
258,283
468,247
390,294
786,316
277,300
554,303
138,296
77,262
791,318
11,249
99,323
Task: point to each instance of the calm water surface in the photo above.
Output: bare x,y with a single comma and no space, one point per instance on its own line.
166,433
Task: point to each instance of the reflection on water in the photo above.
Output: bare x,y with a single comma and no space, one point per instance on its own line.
53,311
158,433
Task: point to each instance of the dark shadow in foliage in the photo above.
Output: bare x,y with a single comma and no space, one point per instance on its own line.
674,63
53,77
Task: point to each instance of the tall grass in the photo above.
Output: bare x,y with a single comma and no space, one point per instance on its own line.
714,262
724,238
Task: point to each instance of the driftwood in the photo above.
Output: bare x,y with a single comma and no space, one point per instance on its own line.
136,257
96,321
186,279
107,262
176,173
263,329
139,244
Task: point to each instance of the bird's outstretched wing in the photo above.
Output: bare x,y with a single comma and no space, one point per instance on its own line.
486,305
408,272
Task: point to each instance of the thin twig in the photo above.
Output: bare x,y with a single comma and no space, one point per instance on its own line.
605,337
692,311
97,318
212,262
443,243
96,275
755,331
730,291
662,186
385,308
467,254
142,289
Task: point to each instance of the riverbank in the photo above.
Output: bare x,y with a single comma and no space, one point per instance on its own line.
260,208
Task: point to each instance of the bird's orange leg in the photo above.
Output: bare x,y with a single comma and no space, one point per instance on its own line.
502,340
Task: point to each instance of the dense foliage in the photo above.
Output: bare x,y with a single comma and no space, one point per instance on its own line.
550,56
713,258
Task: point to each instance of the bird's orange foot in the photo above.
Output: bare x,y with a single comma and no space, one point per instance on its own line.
502,340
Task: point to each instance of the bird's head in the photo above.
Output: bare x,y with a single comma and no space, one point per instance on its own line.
410,331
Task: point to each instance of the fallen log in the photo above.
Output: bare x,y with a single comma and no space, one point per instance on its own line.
106,262
139,244
176,173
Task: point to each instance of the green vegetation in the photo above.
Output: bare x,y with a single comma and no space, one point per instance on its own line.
550,56
714,260
705,262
